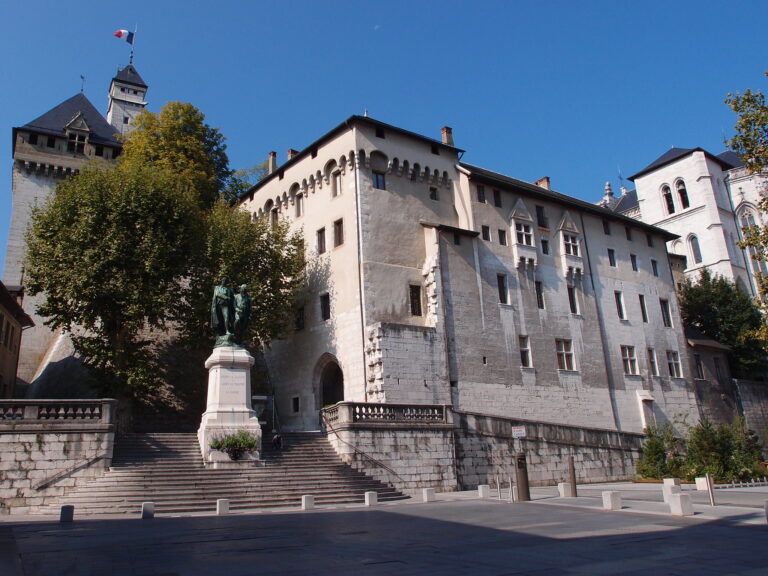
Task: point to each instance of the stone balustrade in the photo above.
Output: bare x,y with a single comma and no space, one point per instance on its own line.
359,414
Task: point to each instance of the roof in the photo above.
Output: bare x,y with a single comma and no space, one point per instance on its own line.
129,75
55,120
674,154
626,202
731,158
344,126
481,174
696,339
8,301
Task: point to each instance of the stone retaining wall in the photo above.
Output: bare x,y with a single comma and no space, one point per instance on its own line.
753,397
49,447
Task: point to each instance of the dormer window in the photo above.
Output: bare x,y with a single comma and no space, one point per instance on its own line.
571,244
76,143
524,235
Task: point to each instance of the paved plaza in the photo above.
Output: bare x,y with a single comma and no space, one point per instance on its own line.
458,534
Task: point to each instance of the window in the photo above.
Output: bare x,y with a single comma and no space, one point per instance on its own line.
503,237
299,205
414,293
486,232
433,193
666,317
572,302
628,360
747,220
378,181
673,363
655,267
126,120
338,232
682,193
273,217
628,232
481,194
649,240
321,241
643,310
98,150
653,368
525,352
33,139
633,259
606,227
699,366
619,297
571,244
7,337
539,295
718,369
76,143
693,242
541,217
51,143
564,354
669,202
435,149
501,283
300,318
336,183
544,246
295,404
611,257
380,132
524,235
457,238
325,306
497,198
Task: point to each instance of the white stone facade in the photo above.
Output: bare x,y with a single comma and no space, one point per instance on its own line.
455,285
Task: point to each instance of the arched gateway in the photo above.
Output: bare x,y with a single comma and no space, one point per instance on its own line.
330,382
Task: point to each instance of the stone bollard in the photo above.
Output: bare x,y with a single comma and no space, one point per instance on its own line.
222,507
701,484
428,495
484,491
307,502
680,504
668,489
67,513
564,488
611,500
147,510
514,494
371,498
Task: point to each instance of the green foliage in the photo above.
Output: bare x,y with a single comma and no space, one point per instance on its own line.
109,249
660,457
237,444
179,140
243,180
715,307
751,139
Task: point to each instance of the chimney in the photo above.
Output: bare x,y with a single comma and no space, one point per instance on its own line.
272,162
292,153
446,134
543,183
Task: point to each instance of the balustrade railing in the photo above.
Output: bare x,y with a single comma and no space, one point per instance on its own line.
358,412
39,411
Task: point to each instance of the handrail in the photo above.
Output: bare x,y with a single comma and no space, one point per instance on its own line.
72,469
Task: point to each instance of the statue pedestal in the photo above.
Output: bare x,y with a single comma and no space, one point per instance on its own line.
229,402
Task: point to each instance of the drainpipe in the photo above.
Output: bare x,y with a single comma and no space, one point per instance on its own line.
361,284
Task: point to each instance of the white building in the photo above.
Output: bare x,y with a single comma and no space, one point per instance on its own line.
432,281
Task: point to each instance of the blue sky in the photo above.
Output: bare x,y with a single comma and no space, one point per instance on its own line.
572,90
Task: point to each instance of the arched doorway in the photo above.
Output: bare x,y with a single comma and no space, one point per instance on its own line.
331,384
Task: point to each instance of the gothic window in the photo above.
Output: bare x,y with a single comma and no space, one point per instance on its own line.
747,221
669,202
682,193
693,242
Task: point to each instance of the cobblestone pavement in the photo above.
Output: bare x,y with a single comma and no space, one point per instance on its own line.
458,534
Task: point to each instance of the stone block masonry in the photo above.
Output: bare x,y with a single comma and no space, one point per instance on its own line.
49,447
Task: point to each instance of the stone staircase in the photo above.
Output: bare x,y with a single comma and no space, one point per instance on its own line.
167,469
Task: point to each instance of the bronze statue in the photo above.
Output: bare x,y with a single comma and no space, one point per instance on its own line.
223,313
242,313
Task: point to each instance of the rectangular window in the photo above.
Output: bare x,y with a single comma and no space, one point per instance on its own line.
336,183
321,241
76,143
572,302
606,227
7,339
699,366
673,363
655,267
295,404
564,354
486,232
718,369
33,139
666,317
525,352
501,282
338,232
541,217
633,259
544,246
415,297
619,297
628,232
299,205
378,181
457,239
628,360
539,294
274,217
325,307
98,150
649,240
51,143
300,318
503,237
524,235
571,244
643,309
433,193
652,366
481,194
611,257
497,198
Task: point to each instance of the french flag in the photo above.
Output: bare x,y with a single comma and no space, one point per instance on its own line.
125,35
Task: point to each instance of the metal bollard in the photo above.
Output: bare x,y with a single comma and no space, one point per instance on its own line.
523,491
572,477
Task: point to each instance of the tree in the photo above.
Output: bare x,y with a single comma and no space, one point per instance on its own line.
109,249
179,140
715,307
751,139
243,180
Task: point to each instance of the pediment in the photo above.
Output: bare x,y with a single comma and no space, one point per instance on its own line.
567,224
520,212
78,124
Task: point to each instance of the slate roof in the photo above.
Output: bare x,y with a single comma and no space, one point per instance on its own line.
696,339
8,301
731,158
626,201
54,121
675,154
129,75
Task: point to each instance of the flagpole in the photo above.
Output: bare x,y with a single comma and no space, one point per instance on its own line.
133,44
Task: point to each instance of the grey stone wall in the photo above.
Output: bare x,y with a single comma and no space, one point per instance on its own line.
754,404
